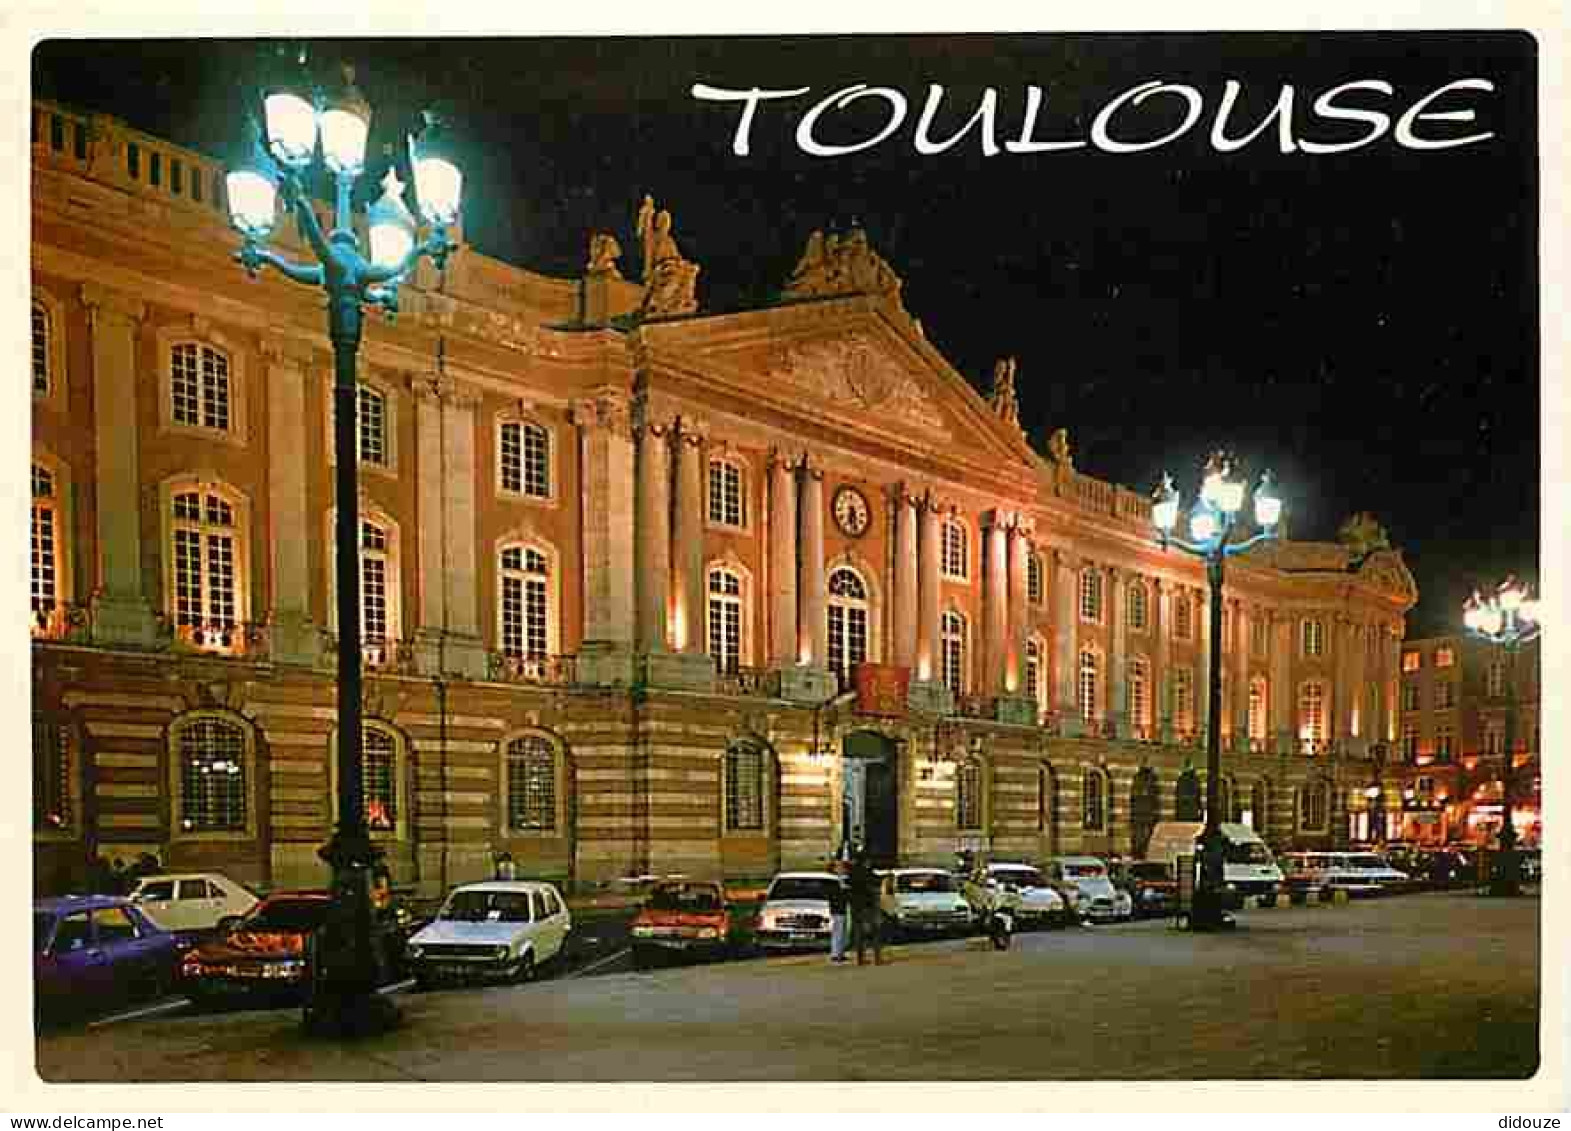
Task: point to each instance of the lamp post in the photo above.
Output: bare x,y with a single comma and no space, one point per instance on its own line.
1211,523
1507,618
1375,796
298,117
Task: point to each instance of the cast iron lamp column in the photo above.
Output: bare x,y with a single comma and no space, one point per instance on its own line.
1508,618
1211,521
345,971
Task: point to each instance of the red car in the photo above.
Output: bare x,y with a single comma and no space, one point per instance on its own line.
261,952
681,918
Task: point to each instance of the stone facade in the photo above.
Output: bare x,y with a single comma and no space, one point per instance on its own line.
575,499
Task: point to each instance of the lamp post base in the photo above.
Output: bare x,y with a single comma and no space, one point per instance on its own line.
347,960
1208,914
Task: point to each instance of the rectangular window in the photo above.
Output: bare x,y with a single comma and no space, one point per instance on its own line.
373,600
744,801
40,349
955,563
1034,579
537,461
1444,738
51,776
1445,695
954,655
188,577
1444,658
371,426
1412,661
1091,596
725,494
1257,710
531,784
1410,697
1410,743
212,777
1314,638
1139,699
381,784
1183,700
199,386
45,571
725,634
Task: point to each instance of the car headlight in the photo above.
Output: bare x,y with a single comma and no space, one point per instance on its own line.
414,950
708,933
642,931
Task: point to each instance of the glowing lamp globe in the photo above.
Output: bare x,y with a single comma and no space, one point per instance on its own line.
345,123
291,127
438,182
1203,524
1268,504
1164,506
392,225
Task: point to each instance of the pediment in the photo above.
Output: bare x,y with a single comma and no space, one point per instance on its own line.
852,370
1386,570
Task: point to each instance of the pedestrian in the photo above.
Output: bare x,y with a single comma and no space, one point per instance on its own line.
505,868
839,904
865,912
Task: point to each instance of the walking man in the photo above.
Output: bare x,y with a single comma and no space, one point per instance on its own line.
839,904
865,912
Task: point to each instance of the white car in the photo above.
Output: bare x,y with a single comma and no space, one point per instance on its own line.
1357,873
501,928
1098,900
191,901
1020,887
795,913
923,899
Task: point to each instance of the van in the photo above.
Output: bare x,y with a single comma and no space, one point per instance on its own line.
1249,868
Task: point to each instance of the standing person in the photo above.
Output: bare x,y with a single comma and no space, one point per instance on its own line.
864,908
505,868
839,904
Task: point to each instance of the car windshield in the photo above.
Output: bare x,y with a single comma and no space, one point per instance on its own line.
924,881
1149,872
1367,860
1019,877
679,898
288,915
487,906
1084,871
1247,852
801,887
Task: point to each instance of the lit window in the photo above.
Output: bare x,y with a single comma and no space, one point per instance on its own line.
1410,742
1035,681
744,787
41,344
1494,739
206,568
1183,617
1257,708
526,603
199,386
379,779
524,454
1412,661
1260,638
953,630
1315,806
968,794
1034,579
531,784
1314,638
371,426
376,581
1445,695
725,620
956,560
45,549
1139,686
1497,679
1444,738
1137,607
1091,595
1093,811
1088,686
52,771
1444,657
727,500
1312,715
1410,697
212,776
848,621
1183,700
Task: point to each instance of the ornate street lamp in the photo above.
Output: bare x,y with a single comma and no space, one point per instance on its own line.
1507,618
298,118
1211,523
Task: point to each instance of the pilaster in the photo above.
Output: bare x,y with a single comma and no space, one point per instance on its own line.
606,444
294,639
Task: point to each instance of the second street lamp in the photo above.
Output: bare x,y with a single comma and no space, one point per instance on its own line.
1211,523
345,967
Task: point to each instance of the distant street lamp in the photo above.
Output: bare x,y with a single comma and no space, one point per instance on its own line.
1211,522
344,998
1507,618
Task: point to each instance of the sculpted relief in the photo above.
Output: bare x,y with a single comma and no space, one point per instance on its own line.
852,370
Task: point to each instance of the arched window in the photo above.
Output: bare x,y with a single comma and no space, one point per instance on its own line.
199,388
1091,594
745,764
1087,685
1183,617
1137,606
43,332
207,567
379,779
1312,715
1034,588
1187,803
524,459
1137,681
525,602
725,619
1036,673
953,631
1184,700
211,753
1314,638
1314,808
956,555
47,550
1257,708
1093,801
532,792
968,794
848,620
727,493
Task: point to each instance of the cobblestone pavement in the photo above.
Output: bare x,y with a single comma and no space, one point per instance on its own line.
1420,985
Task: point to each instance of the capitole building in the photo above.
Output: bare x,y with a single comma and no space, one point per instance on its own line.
645,589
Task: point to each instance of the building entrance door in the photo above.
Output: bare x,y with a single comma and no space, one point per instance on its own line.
870,801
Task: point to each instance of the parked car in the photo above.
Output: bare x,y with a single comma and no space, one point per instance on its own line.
89,950
795,911
1099,901
261,953
1022,888
1357,873
1248,868
1151,886
923,900
191,902
684,918
497,929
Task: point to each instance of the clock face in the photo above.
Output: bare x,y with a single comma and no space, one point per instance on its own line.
851,511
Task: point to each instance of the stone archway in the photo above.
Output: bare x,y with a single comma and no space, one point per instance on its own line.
1145,809
870,794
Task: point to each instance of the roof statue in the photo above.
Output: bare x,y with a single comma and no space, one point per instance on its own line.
670,282
1363,535
1002,398
1058,448
841,265
604,251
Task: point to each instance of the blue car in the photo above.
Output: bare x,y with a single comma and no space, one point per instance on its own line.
92,950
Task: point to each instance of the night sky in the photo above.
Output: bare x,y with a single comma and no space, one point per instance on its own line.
1366,323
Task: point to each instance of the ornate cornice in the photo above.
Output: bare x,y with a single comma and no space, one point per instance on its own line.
96,297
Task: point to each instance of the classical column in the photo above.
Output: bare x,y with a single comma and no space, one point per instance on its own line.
1161,706
1019,615
1359,722
121,614
1243,643
813,639
1117,653
1393,679
995,603
431,518
903,613
463,652
687,537
653,439
927,585
782,561
606,444
294,639
1284,697
1200,600
1067,570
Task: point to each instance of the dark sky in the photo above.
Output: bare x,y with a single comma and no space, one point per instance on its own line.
1366,323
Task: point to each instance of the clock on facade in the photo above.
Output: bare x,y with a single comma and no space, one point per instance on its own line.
851,511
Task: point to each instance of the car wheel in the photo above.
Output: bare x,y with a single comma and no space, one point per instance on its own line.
526,968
